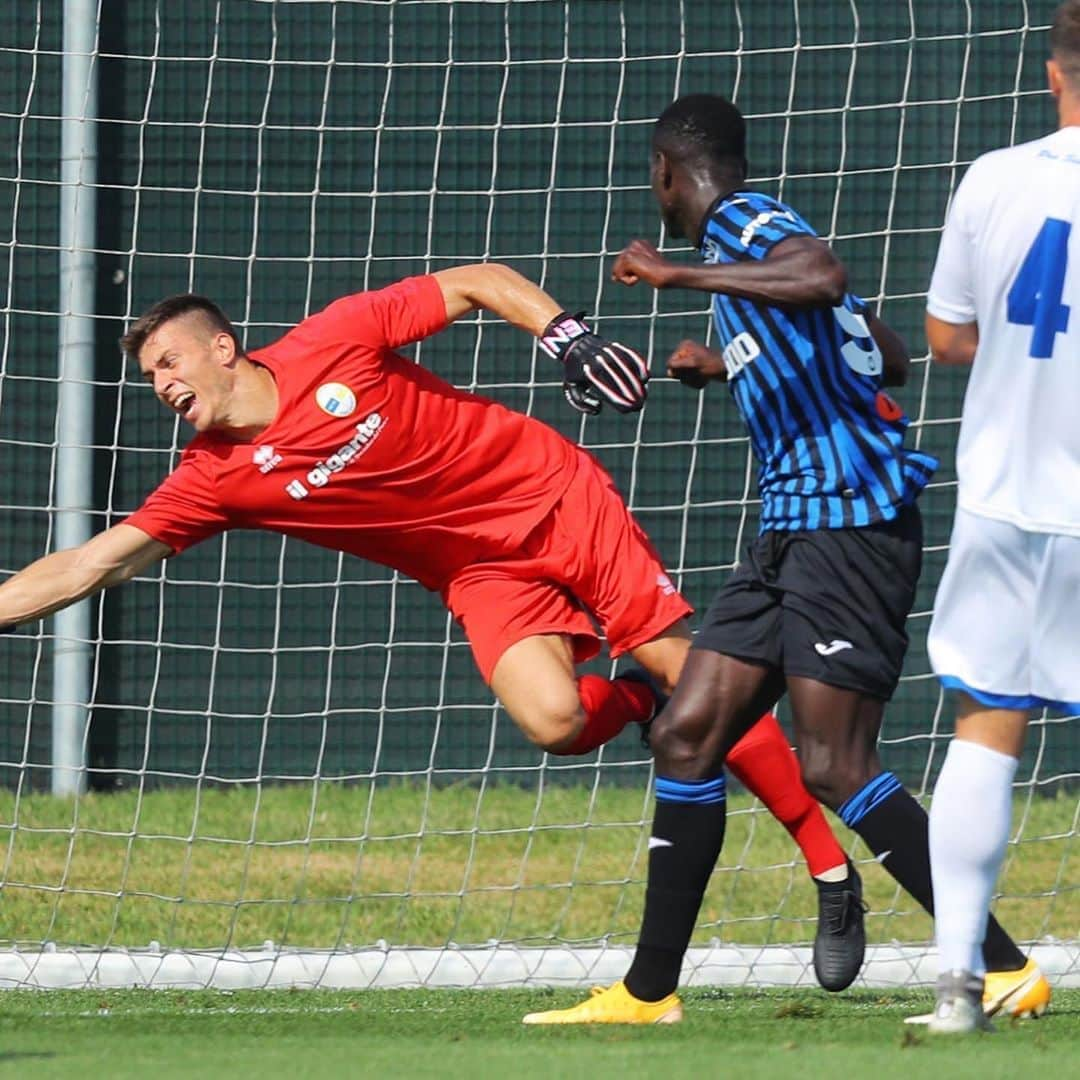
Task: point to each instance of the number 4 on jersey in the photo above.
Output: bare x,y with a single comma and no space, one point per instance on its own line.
1035,296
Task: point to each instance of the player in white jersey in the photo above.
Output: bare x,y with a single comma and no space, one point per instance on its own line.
1005,297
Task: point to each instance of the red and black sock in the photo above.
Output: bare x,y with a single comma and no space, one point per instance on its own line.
764,763
609,705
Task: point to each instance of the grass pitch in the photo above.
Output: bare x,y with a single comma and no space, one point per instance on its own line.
327,865
738,1033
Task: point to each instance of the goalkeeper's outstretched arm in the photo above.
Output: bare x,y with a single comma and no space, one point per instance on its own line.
597,371
500,290
64,577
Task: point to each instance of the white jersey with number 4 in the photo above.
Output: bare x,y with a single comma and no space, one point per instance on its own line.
1010,261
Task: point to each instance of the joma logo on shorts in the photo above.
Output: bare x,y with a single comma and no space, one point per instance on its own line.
834,646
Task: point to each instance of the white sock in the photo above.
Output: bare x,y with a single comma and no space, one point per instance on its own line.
969,830
834,874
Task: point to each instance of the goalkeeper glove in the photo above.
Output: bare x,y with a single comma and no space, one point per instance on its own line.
595,370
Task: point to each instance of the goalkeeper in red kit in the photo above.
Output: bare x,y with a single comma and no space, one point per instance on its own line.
329,436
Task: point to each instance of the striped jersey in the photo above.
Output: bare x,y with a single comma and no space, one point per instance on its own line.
829,441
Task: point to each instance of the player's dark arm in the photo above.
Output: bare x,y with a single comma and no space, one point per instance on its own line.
695,364
64,577
800,272
952,343
895,358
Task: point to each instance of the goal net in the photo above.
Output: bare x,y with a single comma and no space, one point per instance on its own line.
281,765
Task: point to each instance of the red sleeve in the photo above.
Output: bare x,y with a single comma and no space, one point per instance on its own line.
408,310
183,509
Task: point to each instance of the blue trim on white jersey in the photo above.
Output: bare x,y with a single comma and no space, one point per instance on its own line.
700,792
872,794
1010,701
829,458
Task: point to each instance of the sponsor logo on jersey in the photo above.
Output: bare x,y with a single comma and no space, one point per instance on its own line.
762,219
834,646
659,841
1069,159
663,583
711,251
265,458
336,399
740,351
366,433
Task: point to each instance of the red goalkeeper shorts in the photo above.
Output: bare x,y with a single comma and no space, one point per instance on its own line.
587,560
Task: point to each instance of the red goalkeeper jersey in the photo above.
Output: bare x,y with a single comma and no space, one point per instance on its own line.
370,453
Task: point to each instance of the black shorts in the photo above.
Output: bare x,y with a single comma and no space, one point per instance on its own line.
828,604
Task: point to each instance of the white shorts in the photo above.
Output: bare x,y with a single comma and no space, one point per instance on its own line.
1006,625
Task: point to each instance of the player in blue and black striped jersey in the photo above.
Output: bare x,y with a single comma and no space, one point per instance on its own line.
818,606
807,379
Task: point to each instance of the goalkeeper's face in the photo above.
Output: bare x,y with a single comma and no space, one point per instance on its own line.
192,369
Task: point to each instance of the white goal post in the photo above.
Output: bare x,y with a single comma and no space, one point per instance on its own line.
266,765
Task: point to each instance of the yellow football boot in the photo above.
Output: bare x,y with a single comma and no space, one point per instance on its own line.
615,1005
1024,993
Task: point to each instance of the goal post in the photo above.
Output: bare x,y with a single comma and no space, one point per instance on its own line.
295,774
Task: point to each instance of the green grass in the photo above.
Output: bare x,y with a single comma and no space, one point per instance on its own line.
738,1033
330,865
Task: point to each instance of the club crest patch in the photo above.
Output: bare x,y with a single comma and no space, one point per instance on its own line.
336,399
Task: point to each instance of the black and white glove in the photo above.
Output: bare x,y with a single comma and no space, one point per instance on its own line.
595,370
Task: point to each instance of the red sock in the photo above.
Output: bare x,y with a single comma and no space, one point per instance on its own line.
609,704
766,765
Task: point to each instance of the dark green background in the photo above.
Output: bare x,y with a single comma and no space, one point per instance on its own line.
277,156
